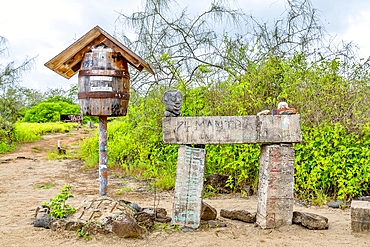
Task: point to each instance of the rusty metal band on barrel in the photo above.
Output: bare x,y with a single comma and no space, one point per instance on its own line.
104,95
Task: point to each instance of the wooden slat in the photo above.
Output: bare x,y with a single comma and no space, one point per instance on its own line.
232,129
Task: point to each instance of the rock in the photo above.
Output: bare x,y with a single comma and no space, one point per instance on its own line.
127,228
188,229
58,224
365,198
92,229
73,225
163,219
42,217
241,215
145,219
100,209
161,211
132,205
208,212
336,204
215,224
310,221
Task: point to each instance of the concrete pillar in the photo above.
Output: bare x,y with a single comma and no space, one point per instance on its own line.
187,203
360,216
276,186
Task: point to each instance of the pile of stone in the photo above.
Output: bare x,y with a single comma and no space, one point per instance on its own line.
105,215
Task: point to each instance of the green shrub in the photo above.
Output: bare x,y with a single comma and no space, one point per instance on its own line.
332,161
49,112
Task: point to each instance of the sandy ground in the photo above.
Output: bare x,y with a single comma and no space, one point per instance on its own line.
20,196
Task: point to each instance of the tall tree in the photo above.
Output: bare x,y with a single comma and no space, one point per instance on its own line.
10,90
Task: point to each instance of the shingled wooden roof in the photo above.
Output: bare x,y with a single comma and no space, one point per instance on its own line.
68,62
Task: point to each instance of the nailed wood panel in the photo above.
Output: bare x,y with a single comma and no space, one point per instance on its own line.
188,189
232,129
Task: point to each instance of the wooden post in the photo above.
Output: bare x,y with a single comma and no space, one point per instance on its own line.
103,156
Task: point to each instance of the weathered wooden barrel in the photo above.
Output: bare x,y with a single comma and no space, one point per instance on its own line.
103,83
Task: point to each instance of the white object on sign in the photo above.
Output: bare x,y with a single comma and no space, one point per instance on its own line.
101,78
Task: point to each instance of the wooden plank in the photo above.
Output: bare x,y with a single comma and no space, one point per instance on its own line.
232,129
187,203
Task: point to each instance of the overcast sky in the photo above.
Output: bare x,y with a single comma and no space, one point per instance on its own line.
44,28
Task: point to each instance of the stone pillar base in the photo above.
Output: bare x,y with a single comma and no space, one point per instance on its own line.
276,186
360,216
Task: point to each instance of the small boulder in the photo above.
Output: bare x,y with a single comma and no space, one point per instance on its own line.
241,215
208,212
310,220
42,217
144,219
58,224
127,228
335,204
215,224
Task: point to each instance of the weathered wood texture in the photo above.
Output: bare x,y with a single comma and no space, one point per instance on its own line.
68,62
187,203
276,186
103,84
360,216
232,129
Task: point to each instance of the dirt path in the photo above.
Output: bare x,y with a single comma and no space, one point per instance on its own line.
20,195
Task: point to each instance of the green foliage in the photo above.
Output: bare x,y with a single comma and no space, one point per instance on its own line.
22,132
49,112
239,162
44,186
57,205
332,161
82,233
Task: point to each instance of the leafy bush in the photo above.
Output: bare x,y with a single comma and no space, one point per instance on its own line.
332,161
49,112
57,205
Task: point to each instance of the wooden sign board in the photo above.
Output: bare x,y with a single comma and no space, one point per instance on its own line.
76,118
188,189
232,129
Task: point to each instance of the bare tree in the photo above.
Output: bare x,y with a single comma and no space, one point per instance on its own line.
221,43
179,47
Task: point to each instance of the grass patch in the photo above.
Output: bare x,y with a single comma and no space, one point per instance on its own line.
56,155
29,132
44,186
123,189
36,149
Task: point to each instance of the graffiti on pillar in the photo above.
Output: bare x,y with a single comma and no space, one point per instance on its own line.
188,188
276,183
